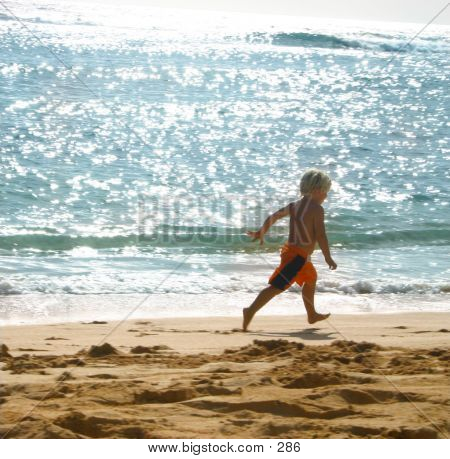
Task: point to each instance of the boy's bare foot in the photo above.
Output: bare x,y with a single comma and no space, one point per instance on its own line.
317,317
247,318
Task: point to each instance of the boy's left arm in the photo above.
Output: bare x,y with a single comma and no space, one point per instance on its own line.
270,220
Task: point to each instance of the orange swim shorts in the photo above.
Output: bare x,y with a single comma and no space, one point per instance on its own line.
294,267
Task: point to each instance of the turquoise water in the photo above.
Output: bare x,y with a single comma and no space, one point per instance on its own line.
173,132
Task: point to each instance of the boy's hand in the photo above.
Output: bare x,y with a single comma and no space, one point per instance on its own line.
331,263
256,235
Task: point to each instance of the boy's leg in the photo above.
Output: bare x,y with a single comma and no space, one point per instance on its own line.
308,291
263,298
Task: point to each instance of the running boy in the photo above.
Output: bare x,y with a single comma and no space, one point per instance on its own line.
306,228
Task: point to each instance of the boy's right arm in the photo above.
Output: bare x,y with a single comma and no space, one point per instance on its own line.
270,220
321,235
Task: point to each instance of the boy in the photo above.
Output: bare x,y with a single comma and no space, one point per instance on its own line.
306,227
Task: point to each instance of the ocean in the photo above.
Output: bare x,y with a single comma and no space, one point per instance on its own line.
138,145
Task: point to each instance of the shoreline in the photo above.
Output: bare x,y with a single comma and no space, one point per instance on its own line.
42,309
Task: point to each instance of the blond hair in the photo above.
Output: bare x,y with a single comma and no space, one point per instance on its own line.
314,179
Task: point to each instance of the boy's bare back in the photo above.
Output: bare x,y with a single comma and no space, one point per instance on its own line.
306,223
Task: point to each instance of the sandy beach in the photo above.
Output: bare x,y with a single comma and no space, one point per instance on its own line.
352,376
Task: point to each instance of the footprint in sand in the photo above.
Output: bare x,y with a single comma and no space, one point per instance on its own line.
442,330
274,407
360,397
165,396
103,376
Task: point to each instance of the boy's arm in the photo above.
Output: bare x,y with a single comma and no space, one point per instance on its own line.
321,235
270,220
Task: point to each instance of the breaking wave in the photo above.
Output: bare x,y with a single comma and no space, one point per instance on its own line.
365,41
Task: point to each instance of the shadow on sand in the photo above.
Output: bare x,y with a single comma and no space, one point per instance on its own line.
309,334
